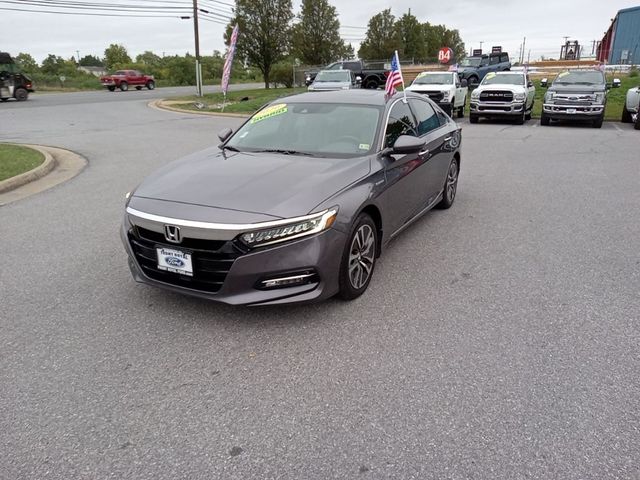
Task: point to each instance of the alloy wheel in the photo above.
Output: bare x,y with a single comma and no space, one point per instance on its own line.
361,256
452,182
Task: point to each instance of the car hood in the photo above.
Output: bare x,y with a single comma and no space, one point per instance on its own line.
430,88
502,87
266,183
578,88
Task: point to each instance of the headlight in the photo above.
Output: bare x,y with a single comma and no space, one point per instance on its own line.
311,89
475,94
520,96
303,227
548,96
345,88
445,96
599,97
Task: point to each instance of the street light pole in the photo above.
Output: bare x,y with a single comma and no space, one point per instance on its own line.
197,39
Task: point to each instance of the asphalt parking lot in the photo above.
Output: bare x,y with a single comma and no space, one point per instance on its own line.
497,340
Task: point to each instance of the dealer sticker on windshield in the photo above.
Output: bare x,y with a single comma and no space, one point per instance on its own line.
175,261
490,75
269,112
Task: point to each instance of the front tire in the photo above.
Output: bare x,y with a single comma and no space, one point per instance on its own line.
21,94
124,86
473,118
626,115
450,186
359,258
636,125
598,122
151,85
111,89
372,84
520,119
461,109
544,120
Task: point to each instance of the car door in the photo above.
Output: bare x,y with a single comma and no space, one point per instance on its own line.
531,91
437,157
461,92
403,192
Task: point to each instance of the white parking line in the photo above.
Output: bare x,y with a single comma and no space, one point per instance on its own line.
615,125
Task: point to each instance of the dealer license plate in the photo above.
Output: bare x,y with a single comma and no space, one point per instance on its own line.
571,110
176,261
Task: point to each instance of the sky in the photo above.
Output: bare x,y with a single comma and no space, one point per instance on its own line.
493,22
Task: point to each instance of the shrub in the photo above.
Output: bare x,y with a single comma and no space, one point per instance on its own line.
282,74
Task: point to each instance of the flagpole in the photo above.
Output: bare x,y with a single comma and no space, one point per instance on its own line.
404,91
224,100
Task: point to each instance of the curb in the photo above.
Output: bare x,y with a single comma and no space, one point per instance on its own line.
27,177
162,105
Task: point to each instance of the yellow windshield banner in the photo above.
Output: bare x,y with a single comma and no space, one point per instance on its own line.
269,112
490,75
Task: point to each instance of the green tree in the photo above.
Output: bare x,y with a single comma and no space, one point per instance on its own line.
115,54
438,36
52,65
27,63
149,59
265,32
381,39
316,37
91,61
410,34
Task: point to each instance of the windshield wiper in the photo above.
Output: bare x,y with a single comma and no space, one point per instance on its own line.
229,147
283,151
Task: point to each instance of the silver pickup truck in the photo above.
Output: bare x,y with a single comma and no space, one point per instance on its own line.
631,110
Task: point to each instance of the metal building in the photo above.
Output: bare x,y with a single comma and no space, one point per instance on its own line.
621,43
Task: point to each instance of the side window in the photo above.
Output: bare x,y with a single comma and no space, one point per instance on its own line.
504,58
401,122
425,115
484,62
495,59
353,66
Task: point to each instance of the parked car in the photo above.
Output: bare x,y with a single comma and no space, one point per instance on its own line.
473,69
503,95
370,75
631,109
13,83
576,95
298,203
444,88
123,79
327,80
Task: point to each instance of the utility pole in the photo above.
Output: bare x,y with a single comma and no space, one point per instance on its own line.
481,44
524,44
197,39
78,52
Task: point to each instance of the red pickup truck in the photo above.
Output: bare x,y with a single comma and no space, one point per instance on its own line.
123,79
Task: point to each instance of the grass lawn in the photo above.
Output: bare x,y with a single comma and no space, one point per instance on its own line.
254,100
15,160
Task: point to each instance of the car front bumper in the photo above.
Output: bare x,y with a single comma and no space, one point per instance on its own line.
496,109
568,112
319,254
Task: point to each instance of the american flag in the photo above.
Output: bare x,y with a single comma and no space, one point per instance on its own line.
395,76
226,72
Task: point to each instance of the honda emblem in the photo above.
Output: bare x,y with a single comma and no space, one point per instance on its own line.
172,234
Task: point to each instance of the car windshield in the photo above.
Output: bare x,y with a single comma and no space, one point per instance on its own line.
503,79
470,62
334,76
433,79
580,78
318,129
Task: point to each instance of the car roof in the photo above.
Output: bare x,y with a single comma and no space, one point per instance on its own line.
515,72
358,96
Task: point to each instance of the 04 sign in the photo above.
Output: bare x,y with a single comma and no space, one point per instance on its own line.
445,55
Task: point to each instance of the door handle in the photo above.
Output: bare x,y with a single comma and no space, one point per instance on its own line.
424,153
446,139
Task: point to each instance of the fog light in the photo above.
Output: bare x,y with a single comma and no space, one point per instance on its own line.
289,280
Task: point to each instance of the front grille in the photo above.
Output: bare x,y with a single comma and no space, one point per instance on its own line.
496,96
584,100
210,264
435,96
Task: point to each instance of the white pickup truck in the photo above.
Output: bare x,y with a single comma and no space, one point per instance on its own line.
444,88
631,110
503,95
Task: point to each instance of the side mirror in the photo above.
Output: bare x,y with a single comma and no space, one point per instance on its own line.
544,82
616,83
408,144
358,79
464,83
224,134
529,84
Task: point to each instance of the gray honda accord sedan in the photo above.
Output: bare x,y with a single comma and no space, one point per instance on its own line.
298,203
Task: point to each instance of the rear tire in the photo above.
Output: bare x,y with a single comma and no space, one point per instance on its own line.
636,125
626,115
151,85
124,86
372,84
544,120
21,94
598,122
111,89
358,258
461,109
473,81
473,118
